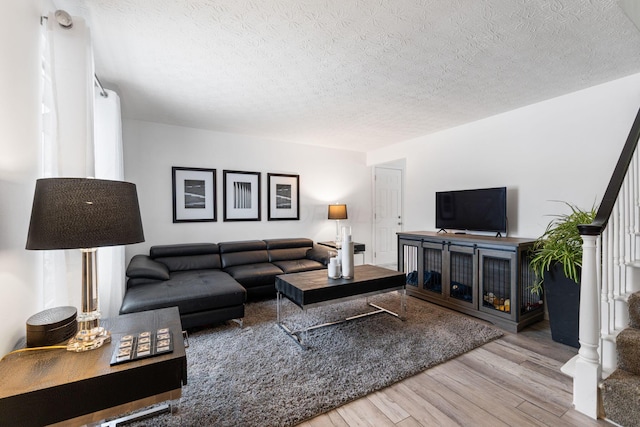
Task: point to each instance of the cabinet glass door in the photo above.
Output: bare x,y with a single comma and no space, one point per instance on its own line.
497,282
408,262
529,302
462,282
432,267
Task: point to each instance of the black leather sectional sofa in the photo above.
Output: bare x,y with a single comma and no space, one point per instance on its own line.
210,282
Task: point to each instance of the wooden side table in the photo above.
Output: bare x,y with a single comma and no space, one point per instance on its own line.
57,386
358,249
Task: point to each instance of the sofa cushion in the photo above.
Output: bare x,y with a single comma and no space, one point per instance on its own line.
243,252
251,275
135,281
319,253
183,249
192,262
188,256
288,249
296,242
287,254
298,265
191,291
141,266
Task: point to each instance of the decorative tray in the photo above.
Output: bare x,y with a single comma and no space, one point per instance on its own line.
142,345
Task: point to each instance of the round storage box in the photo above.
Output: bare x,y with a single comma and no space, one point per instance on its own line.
52,326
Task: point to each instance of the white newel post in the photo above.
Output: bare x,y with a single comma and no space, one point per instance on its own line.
587,370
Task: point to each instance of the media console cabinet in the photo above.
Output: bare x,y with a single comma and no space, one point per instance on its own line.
486,277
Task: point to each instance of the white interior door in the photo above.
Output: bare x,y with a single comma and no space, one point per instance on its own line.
387,215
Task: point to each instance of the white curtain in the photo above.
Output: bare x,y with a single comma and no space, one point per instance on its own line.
54,289
109,165
67,138
72,82
82,137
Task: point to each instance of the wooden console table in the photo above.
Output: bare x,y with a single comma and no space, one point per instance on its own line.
57,386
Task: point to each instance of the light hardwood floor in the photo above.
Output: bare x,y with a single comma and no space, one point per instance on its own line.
513,381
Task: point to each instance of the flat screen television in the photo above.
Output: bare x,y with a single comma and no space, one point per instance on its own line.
483,209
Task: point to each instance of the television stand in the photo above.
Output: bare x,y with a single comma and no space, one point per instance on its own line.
483,276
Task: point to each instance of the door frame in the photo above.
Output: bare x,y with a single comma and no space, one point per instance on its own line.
400,165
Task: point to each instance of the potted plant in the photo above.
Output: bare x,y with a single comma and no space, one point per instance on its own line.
557,260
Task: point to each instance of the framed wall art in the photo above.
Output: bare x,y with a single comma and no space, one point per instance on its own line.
241,196
284,197
194,194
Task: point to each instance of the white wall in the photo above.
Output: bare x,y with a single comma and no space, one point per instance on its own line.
20,295
561,149
326,176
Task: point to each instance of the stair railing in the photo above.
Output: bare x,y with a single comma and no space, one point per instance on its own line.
610,252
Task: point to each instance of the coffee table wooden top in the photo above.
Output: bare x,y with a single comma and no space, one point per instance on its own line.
313,287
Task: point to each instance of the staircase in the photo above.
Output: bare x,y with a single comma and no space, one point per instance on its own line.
621,390
606,371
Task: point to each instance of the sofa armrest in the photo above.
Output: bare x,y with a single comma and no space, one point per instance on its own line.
319,253
143,267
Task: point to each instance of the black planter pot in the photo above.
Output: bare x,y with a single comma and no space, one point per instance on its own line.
563,304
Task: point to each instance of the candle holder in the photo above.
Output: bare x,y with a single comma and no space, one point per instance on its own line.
333,268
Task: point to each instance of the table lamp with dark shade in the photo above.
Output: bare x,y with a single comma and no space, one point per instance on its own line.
82,213
337,212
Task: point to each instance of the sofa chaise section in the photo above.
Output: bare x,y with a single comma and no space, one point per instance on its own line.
187,276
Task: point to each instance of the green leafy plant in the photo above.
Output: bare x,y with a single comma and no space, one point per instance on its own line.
560,243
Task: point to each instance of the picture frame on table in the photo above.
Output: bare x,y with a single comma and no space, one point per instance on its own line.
283,197
241,193
194,194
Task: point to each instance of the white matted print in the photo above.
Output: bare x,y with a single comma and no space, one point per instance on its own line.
194,194
284,197
241,196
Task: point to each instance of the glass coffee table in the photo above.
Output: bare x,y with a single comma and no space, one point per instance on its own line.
314,288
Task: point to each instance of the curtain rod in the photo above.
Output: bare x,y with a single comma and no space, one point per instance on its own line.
103,92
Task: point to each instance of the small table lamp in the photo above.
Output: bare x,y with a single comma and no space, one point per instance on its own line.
81,213
337,212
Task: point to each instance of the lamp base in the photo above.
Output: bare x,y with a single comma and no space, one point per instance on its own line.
338,235
89,339
90,334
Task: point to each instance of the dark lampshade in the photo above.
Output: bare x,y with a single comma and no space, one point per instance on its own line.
337,212
73,213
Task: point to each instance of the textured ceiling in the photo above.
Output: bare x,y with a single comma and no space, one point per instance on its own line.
355,74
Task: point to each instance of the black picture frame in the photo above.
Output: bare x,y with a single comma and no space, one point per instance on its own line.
194,194
283,197
241,196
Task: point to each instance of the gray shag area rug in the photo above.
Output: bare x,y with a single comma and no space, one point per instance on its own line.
259,376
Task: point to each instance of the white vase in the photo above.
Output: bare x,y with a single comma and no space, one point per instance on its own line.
347,259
